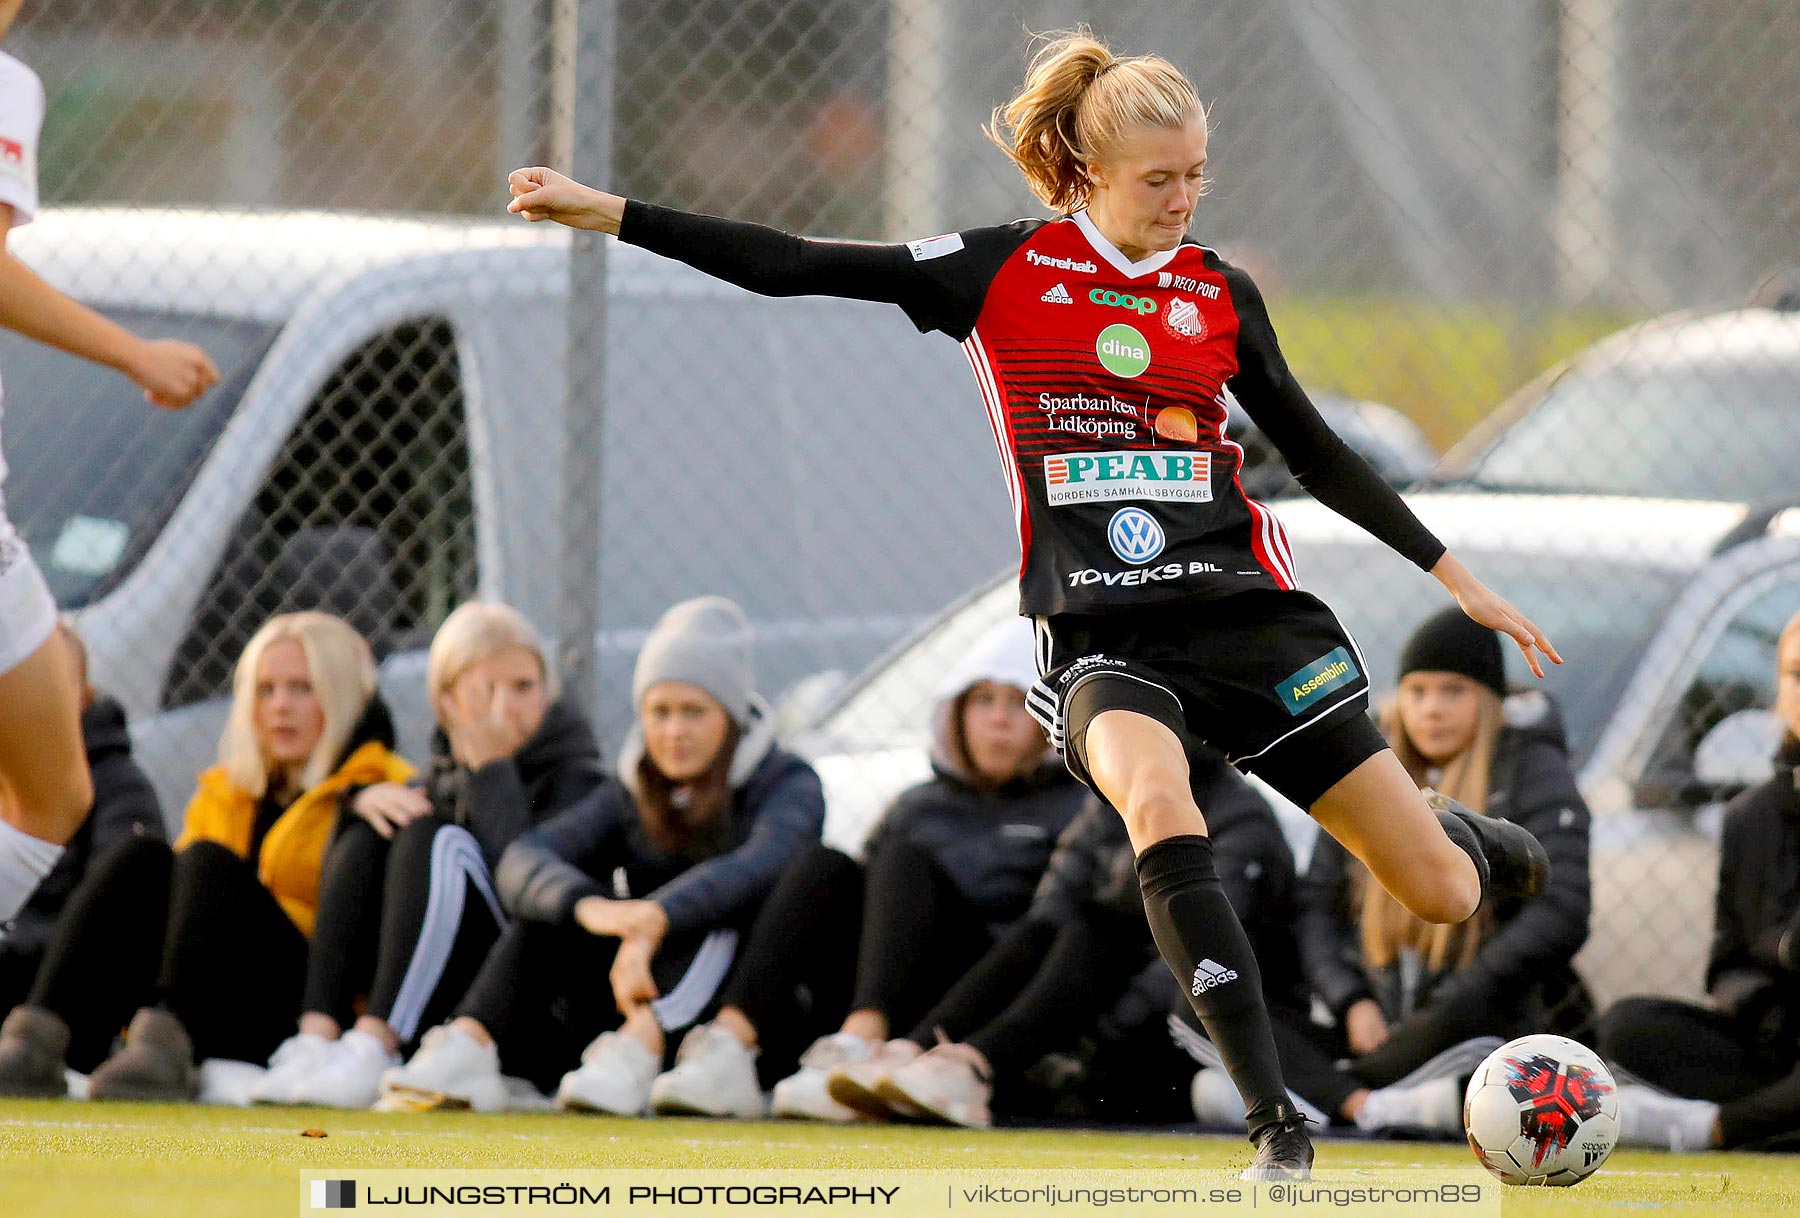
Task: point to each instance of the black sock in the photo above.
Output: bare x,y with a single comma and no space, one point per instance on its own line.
1203,942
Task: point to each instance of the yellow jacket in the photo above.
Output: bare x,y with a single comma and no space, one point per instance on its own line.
293,850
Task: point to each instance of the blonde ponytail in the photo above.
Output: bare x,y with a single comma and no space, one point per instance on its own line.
1077,104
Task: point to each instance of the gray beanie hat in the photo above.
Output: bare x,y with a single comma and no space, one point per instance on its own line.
704,642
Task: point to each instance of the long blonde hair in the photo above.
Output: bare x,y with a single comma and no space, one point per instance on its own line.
342,670
1075,107
1386,925
475,632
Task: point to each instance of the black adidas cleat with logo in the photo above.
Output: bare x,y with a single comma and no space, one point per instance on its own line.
1516,866
1283,1150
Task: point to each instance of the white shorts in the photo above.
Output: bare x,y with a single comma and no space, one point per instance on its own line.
27,610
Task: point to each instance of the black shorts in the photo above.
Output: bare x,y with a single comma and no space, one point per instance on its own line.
1269,678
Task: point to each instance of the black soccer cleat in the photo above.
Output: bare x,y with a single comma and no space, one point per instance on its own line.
1283,1152
1517,866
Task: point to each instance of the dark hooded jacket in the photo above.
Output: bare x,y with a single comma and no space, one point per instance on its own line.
1751,972
599,847
557,767
125,806
1523,968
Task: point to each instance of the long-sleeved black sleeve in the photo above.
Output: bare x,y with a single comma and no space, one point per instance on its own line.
541,876
940,282
1330,470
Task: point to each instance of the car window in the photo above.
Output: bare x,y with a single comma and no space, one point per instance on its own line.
94,471
1736,672
366,513
1708,431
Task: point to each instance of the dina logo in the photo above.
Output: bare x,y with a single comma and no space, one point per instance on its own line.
1123,351
1134,535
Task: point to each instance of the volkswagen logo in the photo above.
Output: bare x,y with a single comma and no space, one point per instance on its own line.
1134,535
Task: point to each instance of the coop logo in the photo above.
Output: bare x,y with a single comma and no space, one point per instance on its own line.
1134,535
1330,671
1140,305
1186,283
334,1194
1061,264
1210,974
1104,476
1123,351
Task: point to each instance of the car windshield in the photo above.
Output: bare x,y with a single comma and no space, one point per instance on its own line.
93,469
1600,623
1708,431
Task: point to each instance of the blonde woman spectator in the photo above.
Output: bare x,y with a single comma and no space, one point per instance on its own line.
407,909
219,976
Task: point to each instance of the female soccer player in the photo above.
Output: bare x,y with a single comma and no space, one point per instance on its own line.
1165,600
45,789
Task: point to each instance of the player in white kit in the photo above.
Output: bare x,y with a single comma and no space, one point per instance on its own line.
45,789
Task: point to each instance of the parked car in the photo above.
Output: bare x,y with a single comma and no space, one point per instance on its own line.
1666,611
1395,445
1689,406
388,440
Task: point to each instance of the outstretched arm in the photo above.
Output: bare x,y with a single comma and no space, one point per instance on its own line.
171,373
940,282
1337,476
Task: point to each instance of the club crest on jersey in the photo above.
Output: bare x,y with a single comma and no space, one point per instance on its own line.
1135,536
1182,318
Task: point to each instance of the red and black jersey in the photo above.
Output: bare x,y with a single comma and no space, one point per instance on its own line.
1104,380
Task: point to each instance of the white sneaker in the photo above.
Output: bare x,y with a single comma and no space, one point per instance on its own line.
1649,1116
858,1084
802,1096
1430,1098
451,1070
714,1076
228,1083
614,1077
1216,1099
296,1057
350,1075
950,1082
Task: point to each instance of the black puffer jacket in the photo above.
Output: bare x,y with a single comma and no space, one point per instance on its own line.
1524,965
558,766
125,806
1759,903
599,847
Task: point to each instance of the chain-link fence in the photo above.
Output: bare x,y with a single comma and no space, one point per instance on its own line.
1443,201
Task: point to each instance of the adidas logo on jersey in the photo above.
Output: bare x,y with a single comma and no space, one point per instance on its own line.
1211,973
1057,295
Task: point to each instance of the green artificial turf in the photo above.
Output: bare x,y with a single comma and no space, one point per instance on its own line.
76,1159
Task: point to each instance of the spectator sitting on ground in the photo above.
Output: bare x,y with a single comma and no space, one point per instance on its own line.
627,906
34,1044
867,950
209,941
1419,1006
407,908
1728,1075
1082,946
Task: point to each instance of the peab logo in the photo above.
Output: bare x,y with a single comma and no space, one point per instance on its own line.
1094,477
1122,350
1134,535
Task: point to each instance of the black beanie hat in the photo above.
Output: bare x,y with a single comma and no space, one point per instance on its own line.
1451,641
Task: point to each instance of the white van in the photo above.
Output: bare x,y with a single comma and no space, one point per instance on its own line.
388,441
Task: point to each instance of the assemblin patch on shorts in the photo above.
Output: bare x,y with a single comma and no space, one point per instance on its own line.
1333,670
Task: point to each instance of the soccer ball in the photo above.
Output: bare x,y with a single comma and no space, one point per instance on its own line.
1542,1110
